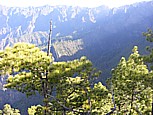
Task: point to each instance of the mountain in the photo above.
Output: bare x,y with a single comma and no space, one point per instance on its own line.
102,34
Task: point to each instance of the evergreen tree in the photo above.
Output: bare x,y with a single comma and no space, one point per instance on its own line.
149,58
132,92
67,87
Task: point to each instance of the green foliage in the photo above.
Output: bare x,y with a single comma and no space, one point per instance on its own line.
129,83
66,86
35,110
73,86
101,99
149,58
7,110
25,64
149,37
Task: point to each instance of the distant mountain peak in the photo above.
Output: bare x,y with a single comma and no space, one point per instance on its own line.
16,22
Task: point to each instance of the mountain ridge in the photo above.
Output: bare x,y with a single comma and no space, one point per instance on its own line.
19,21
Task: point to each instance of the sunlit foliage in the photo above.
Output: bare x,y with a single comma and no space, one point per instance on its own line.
67,87
129,83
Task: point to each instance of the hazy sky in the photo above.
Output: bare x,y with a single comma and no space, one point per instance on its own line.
84,3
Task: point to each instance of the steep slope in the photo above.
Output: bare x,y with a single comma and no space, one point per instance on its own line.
17,22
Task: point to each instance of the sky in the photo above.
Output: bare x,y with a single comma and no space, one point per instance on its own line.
83,3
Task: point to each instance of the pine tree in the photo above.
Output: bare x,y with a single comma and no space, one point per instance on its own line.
149,58
68,86
129,83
